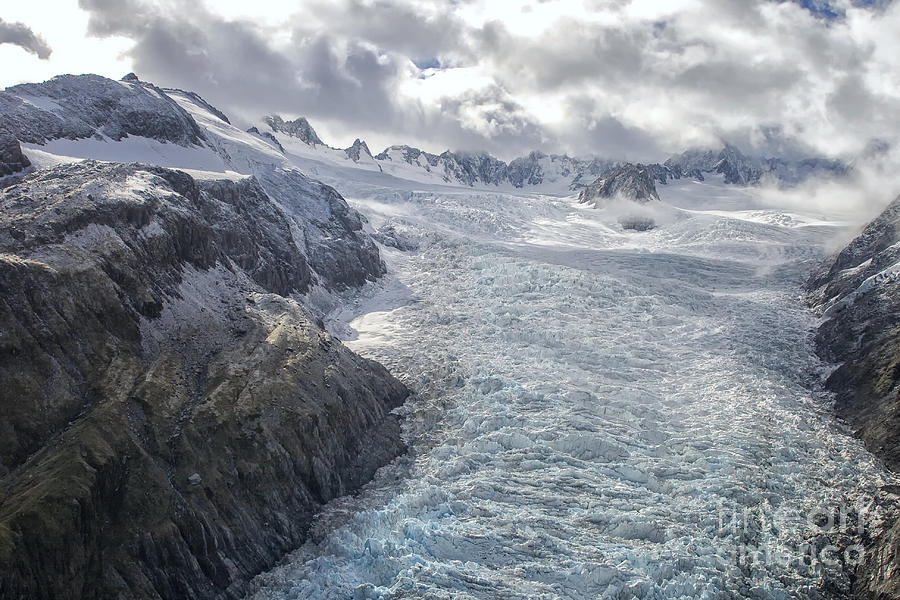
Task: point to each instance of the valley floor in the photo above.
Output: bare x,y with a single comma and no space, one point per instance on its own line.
600,413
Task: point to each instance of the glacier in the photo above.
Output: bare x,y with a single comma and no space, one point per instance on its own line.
600,413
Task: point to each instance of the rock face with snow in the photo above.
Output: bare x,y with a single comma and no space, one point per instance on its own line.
298,128
859,290
358,150
629,181
267,135
172,415
85,106
738,168
339,252
330,234
469,168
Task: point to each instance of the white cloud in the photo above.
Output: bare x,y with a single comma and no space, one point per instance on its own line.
614,77
64,27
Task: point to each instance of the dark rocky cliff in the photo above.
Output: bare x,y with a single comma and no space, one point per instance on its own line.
12,160
629,181
171,416
859,293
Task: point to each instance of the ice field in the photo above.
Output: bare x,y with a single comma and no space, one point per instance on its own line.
600,413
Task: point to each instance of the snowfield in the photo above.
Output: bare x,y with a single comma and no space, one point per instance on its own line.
601,414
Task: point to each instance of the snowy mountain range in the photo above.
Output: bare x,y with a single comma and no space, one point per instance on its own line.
479,169
93,107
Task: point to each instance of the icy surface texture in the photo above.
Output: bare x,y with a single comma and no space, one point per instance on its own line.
601,413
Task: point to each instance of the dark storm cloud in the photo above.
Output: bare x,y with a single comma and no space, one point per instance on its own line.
234,61
393,27
324,74
644,78
551,60
21,35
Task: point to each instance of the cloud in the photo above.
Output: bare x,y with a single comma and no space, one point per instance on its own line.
622,78
21,35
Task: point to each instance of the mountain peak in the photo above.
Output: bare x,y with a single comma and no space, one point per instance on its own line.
358,150
630,181
298,128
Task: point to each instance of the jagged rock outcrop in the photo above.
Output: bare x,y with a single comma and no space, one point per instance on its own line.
409,155
358,150
84,106
661,173
172,417
470,168
859,292
298,128
12,160
527,170
629,181
340,253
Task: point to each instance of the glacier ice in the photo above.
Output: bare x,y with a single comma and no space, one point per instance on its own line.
600,413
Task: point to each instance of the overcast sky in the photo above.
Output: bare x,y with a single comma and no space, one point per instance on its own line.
619,78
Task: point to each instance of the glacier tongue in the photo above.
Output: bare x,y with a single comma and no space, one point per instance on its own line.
600,414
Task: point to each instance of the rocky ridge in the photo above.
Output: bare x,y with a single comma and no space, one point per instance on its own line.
174,412
12,160
298,128
629,181
172,415
858,292
85,106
